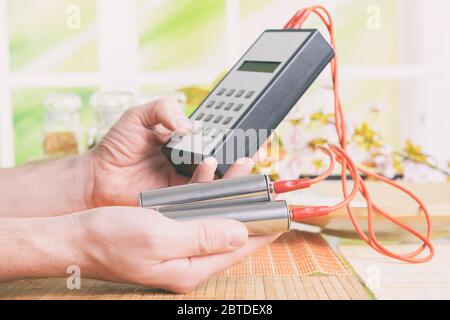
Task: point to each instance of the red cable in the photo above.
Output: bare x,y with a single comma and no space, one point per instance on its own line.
299,214
297,184
347,164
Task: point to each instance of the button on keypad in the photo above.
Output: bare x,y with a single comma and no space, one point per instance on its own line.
227,120
208,117
221,91
219,105
249,94
230,92
218,119
240,93
210,104
239,107
229,106
200,116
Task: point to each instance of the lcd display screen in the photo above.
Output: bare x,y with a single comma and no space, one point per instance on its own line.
259,66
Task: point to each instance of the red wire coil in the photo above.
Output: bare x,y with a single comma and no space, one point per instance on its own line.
347,164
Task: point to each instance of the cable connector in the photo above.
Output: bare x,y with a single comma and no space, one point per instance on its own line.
291,185
298,20
299,214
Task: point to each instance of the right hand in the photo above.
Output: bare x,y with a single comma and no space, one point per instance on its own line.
141,246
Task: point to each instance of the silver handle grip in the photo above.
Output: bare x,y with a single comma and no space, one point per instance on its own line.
254,188
259,218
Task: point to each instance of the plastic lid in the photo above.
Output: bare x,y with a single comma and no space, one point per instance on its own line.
112,100
68,102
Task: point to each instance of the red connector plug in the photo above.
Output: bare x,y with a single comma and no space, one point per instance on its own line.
299,214
297,184
291,185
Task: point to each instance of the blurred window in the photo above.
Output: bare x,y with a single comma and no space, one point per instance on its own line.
392,55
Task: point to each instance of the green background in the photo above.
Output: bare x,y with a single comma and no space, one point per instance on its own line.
182,34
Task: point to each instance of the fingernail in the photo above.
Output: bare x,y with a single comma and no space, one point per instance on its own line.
261,155
245,161
210,160
183,123
237,234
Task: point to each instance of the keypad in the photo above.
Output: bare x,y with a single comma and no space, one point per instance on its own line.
218,114
222,111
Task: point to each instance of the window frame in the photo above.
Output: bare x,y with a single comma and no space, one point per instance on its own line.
423,113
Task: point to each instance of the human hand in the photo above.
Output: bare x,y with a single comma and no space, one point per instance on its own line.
129,159
141,246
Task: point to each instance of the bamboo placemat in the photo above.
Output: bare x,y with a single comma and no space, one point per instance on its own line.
294,253
296,266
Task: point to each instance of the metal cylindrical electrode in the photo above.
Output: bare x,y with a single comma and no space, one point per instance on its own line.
254,188
209,204
259,218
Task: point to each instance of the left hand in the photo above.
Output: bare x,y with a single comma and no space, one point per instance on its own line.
129,159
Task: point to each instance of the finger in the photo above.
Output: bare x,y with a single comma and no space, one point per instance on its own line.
165,111
162,133
196,270
205,171
261,155
264,151
200,237
241,167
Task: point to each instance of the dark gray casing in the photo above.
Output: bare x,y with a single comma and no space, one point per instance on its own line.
272,104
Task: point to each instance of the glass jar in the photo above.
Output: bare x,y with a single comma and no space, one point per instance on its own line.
62,131
107,106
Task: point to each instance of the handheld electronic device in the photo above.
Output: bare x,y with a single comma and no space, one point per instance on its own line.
240,113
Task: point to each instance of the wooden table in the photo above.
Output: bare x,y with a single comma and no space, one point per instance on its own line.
390,279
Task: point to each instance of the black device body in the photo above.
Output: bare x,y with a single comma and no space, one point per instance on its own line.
280,90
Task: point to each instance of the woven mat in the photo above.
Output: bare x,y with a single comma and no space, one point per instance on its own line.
294,253
296,266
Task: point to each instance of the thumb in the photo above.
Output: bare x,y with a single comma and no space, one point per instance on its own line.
204,237
165,111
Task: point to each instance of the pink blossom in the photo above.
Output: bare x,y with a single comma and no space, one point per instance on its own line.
420,173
